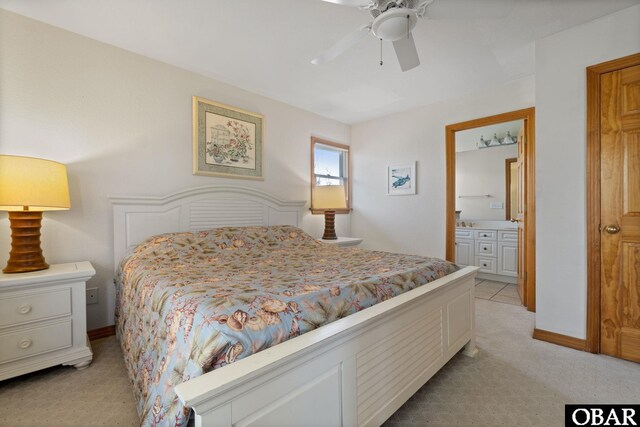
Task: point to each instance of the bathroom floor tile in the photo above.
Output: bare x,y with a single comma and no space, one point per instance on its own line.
509,291
479,293
506,299
490,286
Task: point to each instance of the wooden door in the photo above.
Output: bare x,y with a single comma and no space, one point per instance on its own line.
620,213
520,162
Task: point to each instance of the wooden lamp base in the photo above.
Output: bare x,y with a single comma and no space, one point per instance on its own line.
26,253
329,226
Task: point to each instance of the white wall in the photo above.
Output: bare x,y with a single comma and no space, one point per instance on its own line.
482,172
561,60
122,124
415,224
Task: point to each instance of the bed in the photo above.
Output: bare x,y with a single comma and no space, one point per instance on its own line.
177,317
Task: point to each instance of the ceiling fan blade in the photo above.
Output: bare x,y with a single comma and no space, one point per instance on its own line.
406,52
353,3
469,9
343,45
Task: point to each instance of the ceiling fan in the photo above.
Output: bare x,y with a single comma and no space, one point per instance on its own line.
393,21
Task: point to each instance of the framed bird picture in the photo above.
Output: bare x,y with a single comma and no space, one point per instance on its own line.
227,141
401,179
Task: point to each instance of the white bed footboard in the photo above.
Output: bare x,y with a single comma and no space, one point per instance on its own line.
356,371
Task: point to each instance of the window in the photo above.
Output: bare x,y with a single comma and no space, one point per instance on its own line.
330,166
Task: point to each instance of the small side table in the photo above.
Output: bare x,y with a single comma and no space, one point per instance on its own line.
343,241
43,319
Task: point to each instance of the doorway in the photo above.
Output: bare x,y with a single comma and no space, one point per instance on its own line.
613,208
524,209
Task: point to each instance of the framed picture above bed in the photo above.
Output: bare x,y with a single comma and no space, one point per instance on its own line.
227,141
401,179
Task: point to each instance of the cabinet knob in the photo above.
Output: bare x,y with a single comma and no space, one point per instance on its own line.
24,309
25,343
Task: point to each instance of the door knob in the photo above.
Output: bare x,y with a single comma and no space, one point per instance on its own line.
612,229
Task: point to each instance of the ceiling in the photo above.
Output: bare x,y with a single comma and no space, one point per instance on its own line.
265,46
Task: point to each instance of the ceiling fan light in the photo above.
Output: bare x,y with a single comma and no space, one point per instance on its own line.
394,24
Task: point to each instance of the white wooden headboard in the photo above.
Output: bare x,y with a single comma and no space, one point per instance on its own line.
137,218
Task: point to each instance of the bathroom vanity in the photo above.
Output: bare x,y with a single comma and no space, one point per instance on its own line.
493,249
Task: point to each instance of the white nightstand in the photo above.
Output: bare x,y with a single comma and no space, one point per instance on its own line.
43,319
344,241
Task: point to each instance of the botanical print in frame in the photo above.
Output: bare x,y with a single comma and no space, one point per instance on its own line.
401,179
227,141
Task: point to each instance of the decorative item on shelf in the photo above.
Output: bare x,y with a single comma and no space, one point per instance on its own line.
329,198
29,186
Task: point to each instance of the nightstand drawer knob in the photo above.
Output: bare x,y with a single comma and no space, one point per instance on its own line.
25,343
24,309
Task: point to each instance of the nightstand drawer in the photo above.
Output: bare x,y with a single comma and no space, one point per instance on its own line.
18,307
34,341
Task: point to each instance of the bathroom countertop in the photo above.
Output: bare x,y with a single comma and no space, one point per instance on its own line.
487,228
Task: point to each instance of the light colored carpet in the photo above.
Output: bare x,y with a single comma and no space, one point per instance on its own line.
515,380
63,396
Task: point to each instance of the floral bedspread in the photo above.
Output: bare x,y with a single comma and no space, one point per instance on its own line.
188,303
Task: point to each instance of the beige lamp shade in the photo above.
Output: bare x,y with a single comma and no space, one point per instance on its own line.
37,184
329,197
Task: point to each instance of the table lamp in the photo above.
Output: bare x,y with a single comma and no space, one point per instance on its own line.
329,198
29,186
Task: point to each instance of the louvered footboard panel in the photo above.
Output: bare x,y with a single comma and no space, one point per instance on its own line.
386,368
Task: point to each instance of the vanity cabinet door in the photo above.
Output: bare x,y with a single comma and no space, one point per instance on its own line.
508,259
464,252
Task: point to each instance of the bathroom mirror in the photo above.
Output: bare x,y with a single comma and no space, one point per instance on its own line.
486,181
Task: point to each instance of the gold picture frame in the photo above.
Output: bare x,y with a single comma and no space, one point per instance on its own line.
227,141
